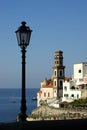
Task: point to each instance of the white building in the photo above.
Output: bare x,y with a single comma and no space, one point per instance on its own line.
70,90
75,88
80,70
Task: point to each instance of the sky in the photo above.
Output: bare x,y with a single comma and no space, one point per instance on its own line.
55,24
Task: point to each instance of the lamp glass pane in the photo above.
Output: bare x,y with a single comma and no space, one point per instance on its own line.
18,37
23,38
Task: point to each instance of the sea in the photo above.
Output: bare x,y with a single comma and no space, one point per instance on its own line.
10,103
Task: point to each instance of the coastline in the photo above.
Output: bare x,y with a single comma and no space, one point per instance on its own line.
50,113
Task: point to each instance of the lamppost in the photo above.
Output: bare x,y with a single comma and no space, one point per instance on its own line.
23,36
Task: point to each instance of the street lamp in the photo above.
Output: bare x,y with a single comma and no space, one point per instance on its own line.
23,36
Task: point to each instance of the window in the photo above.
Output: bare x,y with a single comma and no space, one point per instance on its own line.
60,73
72,87
77,95
55,83
55,73
55,91
61,62
57,62
79,71
48,94
65,95
80,79
65,88
61,83
72,95
44,94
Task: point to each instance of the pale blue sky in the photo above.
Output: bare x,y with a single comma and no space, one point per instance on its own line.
56,25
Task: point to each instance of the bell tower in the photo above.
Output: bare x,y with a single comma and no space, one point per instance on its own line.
59,74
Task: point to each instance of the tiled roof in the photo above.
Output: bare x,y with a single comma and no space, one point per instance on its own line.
48,86
49,81
67,78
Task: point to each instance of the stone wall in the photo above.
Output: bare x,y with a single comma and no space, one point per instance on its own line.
49,113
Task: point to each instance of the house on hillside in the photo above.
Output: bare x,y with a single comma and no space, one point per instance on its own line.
76,87
59,88
70,90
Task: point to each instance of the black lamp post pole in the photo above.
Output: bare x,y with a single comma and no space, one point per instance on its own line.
23,100
23,36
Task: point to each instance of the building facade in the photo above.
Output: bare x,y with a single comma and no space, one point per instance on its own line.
52,89
76,87
58,74
61,88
